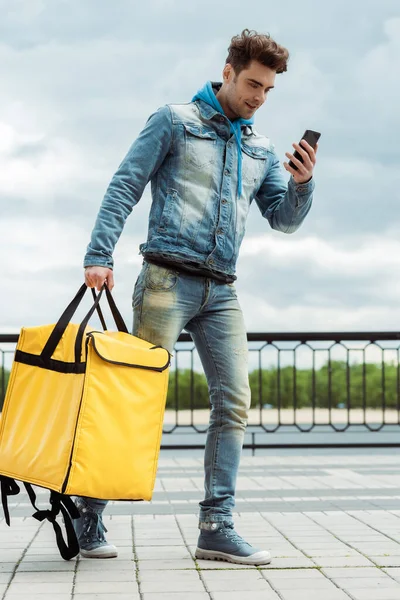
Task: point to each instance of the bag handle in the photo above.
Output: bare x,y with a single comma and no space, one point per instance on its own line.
119,321
62,323
102,321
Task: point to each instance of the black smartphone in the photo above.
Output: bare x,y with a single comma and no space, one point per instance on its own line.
311,138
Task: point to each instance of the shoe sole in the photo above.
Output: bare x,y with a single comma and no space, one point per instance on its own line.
260,558
98,553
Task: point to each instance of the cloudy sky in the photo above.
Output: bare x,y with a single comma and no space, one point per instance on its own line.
79,78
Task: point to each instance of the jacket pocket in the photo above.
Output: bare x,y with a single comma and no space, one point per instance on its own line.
201,144
254,163
170,217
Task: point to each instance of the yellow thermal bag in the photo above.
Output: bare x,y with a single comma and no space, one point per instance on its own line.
83,415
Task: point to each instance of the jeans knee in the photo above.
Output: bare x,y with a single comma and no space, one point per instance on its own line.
233,413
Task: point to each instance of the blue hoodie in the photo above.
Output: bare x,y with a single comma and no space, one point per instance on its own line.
207,94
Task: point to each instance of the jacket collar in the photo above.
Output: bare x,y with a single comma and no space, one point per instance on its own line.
208,113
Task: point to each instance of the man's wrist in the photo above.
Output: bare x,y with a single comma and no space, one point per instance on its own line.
303,182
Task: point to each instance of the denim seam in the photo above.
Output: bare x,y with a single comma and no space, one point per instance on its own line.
220,411
139,325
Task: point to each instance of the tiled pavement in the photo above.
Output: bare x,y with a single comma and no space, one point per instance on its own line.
331,523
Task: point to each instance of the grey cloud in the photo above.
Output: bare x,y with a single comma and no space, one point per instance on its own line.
306,285
29,22
91,73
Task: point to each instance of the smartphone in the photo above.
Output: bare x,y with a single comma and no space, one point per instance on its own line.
311,138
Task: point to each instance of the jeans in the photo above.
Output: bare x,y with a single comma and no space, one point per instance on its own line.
166,301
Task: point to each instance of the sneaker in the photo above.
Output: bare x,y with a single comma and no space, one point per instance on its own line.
89,529
219,541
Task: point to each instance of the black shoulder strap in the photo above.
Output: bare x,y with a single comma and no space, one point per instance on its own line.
59,502
9,487
69,511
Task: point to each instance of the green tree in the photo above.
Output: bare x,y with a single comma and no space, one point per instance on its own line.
187,390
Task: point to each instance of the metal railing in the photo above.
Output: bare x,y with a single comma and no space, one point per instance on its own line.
343,383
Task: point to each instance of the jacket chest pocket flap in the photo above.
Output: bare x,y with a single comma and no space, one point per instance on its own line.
200,145
254,162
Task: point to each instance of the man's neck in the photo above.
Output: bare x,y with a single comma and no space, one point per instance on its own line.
225,107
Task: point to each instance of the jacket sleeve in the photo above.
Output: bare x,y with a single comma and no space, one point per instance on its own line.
285,205
142,161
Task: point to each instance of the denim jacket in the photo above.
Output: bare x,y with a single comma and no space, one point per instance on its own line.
189,154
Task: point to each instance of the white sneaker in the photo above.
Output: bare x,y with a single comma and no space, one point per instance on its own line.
106,551
89,529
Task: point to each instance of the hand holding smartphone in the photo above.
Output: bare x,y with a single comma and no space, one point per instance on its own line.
311,137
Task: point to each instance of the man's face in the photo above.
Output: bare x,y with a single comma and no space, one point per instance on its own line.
246,92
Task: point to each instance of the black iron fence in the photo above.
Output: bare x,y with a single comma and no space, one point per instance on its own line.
314,383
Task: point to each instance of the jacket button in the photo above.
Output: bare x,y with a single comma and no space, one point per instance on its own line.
224,201
211,261
220,231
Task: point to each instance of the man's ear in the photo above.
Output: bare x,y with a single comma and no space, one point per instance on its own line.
226,73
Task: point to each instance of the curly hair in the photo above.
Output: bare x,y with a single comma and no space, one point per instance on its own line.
250,45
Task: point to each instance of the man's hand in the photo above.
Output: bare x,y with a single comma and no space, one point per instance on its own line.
96,276
305,169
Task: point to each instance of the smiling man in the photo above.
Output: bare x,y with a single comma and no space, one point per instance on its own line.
206,163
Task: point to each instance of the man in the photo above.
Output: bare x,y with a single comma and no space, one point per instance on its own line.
206,164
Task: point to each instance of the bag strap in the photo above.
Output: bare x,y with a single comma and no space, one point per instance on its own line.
119,321
67,315
60,502
9,487
103,323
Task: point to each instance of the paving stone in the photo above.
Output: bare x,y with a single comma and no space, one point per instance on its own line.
375,594
250,594
40,576
231,575
39,588
174,552
370,582
342,561
45,567
32,557
107,565
172,585
10,555
242,584
288,563
393,572
364,572
185,576
386,561
103,587
176,596
27,595
173,540
7,567
106,596
160,565
311,594
303,584
96,576
219,565
288,574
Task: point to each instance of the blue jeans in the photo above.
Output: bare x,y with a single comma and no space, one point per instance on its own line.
165,302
